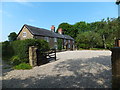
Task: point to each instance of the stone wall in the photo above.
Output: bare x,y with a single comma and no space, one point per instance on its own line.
28,34
32,56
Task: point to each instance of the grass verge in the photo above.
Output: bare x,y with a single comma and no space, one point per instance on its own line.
22,66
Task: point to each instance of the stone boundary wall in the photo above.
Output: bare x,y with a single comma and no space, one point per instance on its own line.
32,56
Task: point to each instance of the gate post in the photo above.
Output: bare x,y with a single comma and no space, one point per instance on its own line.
115,67
32,56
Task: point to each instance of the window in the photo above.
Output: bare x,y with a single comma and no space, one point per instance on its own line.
24,34
55,39
68,45
55,47
73,41
64,40
46,38
68,41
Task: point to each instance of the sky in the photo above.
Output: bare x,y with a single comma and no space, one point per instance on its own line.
44,14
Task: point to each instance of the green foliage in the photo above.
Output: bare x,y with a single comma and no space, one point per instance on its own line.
18,51
15,60
12,36
88,40
7,50
22,66
100,34
59,42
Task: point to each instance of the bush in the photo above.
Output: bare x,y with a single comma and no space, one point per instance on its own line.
7,50
18,51
59,44
15,60
22,66
88,40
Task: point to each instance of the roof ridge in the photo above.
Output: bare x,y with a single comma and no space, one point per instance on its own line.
45,32
36,27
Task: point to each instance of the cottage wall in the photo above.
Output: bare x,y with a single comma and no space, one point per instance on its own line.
28,34
51,40
39,37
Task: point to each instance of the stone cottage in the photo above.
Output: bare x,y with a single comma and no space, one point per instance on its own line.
29,32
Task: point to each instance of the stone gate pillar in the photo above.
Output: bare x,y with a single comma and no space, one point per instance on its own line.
32,56
115,67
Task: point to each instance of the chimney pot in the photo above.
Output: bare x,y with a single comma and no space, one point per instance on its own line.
53,28
60,30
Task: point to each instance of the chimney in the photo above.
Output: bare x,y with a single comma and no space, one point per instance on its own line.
60,30
53,28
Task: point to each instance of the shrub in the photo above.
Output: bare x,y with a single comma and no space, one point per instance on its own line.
22,66
88,40
15,60
7,50
18,51
59,44
21,47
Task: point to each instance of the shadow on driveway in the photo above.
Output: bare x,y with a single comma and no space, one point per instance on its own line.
87,73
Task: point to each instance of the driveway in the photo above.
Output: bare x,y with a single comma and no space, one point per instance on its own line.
73,69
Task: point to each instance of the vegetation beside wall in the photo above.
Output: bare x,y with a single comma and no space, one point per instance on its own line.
22,66
16,52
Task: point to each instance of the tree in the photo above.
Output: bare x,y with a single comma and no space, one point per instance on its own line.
89,40
12,36
82,26
68,29
85,34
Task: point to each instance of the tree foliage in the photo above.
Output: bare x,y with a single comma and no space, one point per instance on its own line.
18,51
12,36
99,34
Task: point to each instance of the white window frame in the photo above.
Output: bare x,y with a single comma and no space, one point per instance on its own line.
68,45
64,40
55,39
68,41
56,46
24,34
46,38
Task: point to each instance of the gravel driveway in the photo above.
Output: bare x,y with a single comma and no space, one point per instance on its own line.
73,69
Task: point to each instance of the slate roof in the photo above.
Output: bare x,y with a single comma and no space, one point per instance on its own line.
44,32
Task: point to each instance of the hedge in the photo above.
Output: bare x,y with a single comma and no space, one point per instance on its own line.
18,50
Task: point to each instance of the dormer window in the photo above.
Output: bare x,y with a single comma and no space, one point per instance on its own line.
24,34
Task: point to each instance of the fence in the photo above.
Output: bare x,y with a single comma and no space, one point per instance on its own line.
38,57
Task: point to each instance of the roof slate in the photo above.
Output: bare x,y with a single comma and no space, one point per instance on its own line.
44,32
